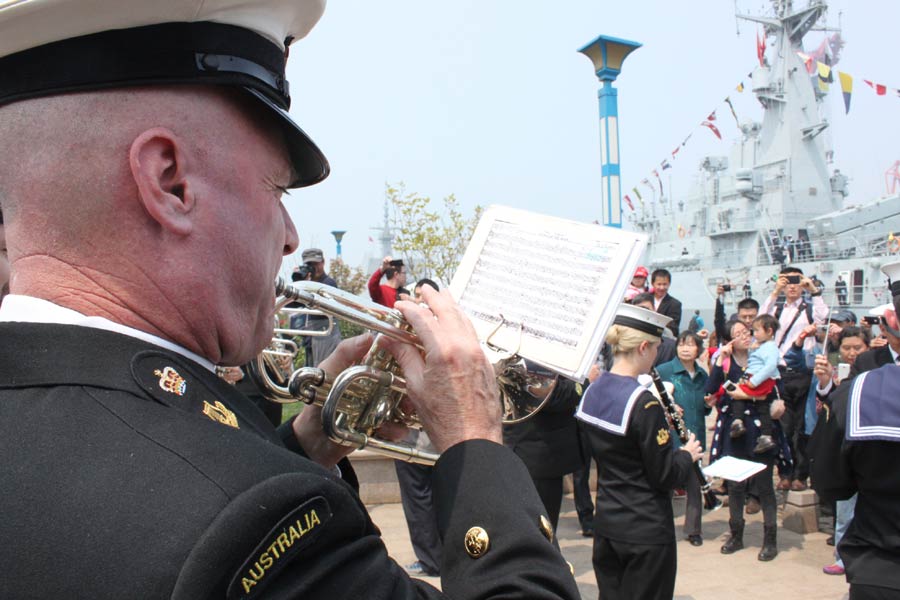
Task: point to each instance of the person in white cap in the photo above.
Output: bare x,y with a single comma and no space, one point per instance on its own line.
855,449
144,151
638,465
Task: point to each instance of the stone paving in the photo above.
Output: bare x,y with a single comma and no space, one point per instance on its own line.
703,573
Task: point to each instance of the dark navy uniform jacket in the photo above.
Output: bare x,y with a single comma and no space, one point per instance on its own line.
638,465
129,471
855,448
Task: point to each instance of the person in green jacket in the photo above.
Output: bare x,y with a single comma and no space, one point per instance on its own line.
689,380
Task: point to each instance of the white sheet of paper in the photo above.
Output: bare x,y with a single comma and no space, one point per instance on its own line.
545,288
733,469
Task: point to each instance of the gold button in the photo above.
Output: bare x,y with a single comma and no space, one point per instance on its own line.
477,542
546,528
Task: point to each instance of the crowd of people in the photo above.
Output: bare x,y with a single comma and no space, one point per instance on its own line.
157,477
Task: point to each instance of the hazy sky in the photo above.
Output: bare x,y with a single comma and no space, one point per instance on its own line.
491,101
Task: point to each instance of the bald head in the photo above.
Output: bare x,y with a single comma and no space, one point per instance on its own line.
117,198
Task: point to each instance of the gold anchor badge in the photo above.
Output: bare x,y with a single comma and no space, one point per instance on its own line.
170,381
662,436
219,412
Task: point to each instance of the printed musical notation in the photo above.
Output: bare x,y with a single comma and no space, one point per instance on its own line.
541,287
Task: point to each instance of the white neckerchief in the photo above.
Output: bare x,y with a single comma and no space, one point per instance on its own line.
26,309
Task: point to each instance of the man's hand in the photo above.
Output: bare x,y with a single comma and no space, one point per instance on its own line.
453,386
823,370
386,262
878,342
780,284
308,424
807,283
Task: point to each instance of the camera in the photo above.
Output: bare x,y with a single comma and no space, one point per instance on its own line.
303,272
726,287
793,279
871,320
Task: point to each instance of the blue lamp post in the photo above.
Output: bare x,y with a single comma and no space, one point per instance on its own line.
608,54
338,236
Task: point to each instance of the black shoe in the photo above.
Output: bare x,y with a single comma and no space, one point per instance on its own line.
587,531
830,540
769,547
695,540
735,541
764,443
737,428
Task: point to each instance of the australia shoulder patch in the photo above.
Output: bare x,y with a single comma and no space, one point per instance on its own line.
292,534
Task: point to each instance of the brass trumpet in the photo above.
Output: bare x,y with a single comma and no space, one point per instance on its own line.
363,397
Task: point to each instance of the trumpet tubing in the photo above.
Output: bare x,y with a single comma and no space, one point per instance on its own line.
362,398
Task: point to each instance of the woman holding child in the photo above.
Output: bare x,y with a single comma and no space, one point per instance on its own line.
730,364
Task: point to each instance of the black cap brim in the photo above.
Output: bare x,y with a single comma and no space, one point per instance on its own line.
310,164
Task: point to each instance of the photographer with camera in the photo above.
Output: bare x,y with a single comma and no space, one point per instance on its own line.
313,269
394,272
794,315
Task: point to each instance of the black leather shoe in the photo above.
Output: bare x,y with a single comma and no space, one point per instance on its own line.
695,540
587,531
737,428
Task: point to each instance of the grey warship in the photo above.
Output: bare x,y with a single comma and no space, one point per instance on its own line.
777,197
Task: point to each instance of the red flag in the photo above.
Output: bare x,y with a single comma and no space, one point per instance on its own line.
881,90
628,202
712,128
712,116
761,49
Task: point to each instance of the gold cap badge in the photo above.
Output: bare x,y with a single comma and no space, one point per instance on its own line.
546,528
219,412
662,437
170,381
477,542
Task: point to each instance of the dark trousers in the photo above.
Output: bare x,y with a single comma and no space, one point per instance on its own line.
627,571
550,491
872,592
415,494
796,387
581,485
762,484
694,508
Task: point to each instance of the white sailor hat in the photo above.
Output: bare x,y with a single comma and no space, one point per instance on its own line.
56,46
642,319
892,270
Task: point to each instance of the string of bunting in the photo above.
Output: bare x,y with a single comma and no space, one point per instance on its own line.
825,76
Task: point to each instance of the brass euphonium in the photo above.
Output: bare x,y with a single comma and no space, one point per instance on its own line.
363,397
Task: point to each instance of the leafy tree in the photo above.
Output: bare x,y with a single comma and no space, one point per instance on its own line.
353,280
349,279
431,241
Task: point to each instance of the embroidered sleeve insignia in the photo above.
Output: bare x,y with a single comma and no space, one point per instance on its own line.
662,437
220,413
170,381
292,534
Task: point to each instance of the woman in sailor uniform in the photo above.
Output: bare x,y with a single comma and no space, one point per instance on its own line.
634,542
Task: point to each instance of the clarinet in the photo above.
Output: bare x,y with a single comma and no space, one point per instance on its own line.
668,406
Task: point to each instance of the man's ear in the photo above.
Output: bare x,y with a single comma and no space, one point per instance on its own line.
158,163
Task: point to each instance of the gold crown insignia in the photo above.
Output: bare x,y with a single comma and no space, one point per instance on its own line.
170,381
662,437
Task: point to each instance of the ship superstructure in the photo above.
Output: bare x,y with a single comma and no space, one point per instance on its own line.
776,198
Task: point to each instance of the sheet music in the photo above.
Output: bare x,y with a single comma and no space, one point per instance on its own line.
547,283
733,469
